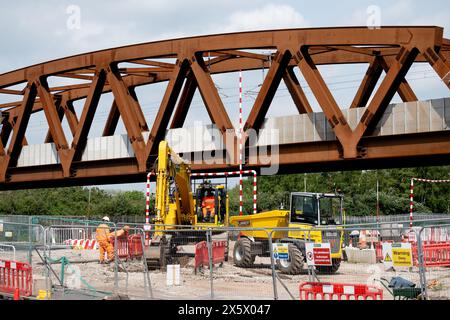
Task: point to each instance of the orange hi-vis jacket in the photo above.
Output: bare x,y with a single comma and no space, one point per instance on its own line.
208,202
102,233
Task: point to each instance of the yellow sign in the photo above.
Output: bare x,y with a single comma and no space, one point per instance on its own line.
387,258
402,257
280,251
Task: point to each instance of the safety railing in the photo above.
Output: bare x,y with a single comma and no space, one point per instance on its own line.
213,263
116,249
16,276
7,249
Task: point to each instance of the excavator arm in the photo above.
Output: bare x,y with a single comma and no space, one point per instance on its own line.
172,169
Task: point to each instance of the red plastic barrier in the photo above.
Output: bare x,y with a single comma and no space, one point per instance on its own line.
135,246
129,247
379,251
202,256
16,275
218,249
122,246
434,254
339,291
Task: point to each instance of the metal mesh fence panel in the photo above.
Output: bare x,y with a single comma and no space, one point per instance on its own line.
432,253
171,262
241,269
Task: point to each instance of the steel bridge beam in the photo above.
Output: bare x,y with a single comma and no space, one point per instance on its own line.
194,60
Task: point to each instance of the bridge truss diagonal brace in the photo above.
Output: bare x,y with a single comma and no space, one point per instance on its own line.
368,84
370,80
71,115
296,91
8,124
439,64
137,109
382,97
214,106
4,134
326,101
268,89
54,123
87,116
112,121
185,101
166,107
404,90
60,110
10,158
126,105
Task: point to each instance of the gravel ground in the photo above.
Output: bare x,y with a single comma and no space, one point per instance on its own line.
229,281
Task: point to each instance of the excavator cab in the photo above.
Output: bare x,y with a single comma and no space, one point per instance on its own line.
210,204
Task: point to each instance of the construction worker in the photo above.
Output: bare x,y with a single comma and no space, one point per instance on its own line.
208,206
102,235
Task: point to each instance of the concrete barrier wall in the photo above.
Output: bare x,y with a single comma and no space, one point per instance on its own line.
401,118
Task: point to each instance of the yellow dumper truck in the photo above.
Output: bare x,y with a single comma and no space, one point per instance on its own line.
318,215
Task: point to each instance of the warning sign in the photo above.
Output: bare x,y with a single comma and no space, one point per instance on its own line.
280,251
397,255
318,254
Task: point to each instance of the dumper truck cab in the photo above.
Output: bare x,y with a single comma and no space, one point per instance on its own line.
312,217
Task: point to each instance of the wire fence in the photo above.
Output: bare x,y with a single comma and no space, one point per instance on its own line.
140,219
382,260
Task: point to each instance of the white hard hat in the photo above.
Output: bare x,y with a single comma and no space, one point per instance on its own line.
105,218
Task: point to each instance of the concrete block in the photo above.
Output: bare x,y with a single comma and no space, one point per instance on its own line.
310,130
398,121
320,123
386,122
38,284
436,114
410,109
355,255
447,113
423,116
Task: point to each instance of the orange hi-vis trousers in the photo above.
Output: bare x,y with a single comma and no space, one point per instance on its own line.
106,247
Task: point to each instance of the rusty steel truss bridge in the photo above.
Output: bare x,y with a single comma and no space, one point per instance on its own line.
389,50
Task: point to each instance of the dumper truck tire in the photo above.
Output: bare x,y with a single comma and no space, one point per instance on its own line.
242,253
295,263
336,263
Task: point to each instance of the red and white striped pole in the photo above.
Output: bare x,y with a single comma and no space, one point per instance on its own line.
240,142
234,173
147,209
254,192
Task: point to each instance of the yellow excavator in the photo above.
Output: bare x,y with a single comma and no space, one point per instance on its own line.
317,217
176,206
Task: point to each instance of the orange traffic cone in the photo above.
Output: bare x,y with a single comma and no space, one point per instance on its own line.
16,294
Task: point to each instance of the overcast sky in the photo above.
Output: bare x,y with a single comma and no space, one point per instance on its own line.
37,31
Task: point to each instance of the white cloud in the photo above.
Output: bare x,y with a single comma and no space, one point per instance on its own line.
269,16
